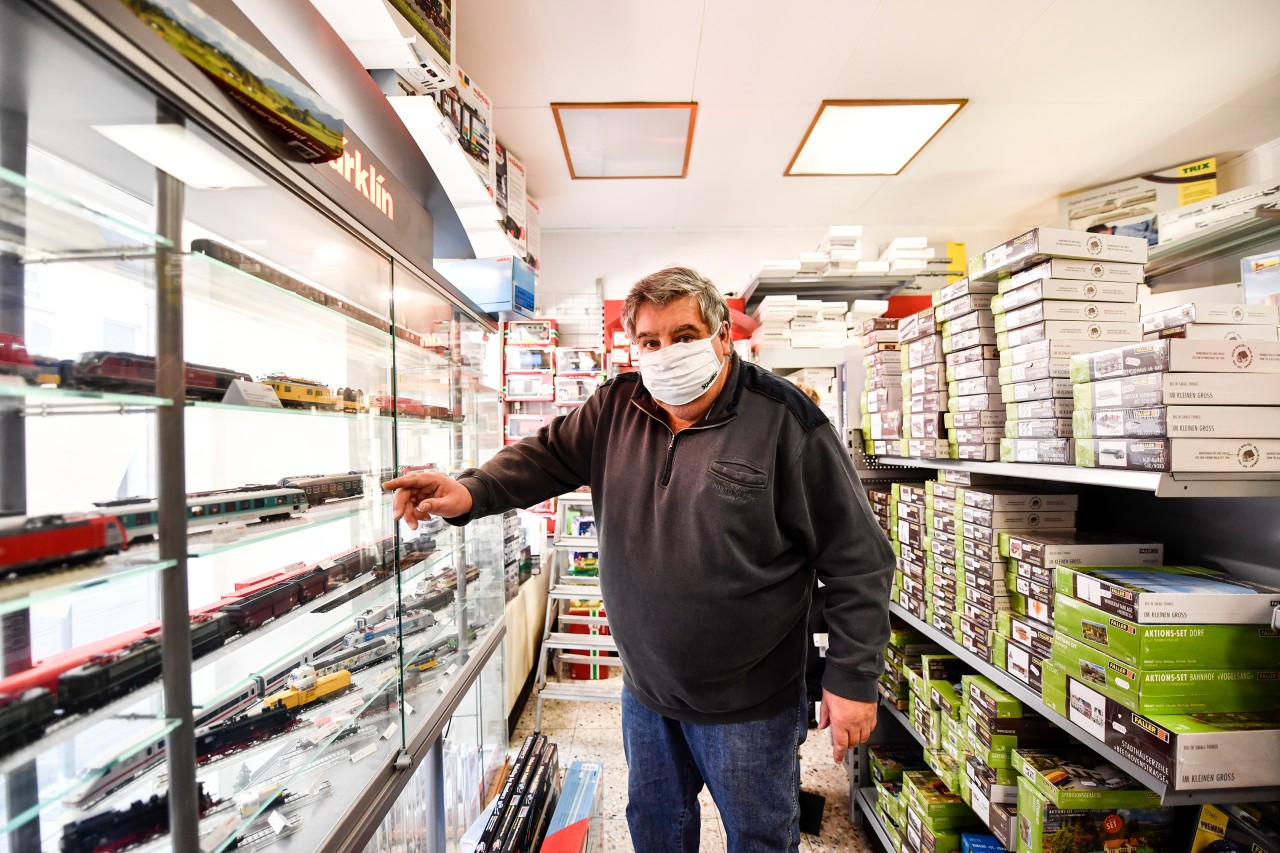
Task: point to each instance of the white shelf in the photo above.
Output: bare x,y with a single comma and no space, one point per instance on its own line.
866,798
1032,700
1224,485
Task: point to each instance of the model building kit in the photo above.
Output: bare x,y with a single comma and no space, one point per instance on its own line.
1046,828
1040,368
1155,389
1170,594
1065,309
1069,330
1046,243
1177,356
1215,332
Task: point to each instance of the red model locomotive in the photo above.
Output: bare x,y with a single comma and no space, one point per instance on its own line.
59,540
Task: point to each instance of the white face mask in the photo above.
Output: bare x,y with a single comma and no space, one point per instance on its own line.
680,373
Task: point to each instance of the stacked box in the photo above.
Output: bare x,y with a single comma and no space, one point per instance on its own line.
935,815
1044,827
901,658
1181,405
891,808
981,515
1076,778
1032,557
907,536
974,414
924,391
1044,314
1212,321
880,499
1184,752
881,400
774,314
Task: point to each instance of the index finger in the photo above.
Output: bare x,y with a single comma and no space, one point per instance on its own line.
404,482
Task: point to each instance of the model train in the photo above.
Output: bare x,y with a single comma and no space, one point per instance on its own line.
133,373
59,540
116,829
306,687
23,717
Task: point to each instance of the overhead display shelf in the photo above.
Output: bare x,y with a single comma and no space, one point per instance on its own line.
1163,485
1237,235
827,287
1032,700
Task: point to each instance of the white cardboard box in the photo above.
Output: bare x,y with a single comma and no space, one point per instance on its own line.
1044,243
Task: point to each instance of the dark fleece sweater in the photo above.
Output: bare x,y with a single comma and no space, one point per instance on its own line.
710,540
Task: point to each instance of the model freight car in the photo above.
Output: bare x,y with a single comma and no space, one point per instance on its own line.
57,540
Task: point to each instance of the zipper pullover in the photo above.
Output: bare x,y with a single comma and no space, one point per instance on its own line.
709,549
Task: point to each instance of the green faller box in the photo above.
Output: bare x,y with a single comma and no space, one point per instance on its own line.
1175,691
1079,779
1158,647
1154,595
1045,828
938,805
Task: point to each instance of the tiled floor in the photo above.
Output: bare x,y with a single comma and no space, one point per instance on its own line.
592,731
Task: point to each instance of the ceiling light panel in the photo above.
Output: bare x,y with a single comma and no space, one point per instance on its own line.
626,140
869,137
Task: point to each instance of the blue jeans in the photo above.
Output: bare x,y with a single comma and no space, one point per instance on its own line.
752,770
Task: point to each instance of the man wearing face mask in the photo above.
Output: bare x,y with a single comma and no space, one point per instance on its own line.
720,493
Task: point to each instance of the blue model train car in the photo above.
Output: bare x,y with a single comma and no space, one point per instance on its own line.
141,516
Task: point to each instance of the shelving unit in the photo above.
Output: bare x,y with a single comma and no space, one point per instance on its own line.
866,801
1032,700
1235,236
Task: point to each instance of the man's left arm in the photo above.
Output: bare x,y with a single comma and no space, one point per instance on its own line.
855,562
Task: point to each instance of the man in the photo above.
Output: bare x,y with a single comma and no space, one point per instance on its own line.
719,491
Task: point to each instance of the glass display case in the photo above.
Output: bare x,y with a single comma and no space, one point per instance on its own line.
329,646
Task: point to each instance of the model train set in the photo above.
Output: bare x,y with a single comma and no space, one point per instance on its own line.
135,373
90,676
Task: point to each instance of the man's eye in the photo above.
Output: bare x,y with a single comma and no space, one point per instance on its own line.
684,339
648,344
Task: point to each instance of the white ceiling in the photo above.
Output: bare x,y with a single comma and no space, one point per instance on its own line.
1063,94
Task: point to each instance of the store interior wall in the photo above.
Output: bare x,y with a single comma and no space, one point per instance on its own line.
573,259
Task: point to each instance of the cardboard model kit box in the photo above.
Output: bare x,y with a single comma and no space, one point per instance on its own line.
1158,647
1155,389
1233,829
1215,332
1069,330
1066,309
1079,778
1049,349
1230,313
1184,752
1031,410
1135,454
1040,368
962,287
1045,828
1037,428
1039,389
1076,270
972,369
1176,356
1015,500
1047,450
1050,549
1169,691
1170,595
1044,243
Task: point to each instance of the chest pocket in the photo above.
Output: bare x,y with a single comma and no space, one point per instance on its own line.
739,472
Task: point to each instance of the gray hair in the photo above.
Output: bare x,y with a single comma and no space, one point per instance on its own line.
668,285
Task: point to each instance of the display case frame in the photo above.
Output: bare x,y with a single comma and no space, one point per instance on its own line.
464,410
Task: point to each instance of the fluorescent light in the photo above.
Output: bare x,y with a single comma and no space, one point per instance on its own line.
869,137
626,140
174,149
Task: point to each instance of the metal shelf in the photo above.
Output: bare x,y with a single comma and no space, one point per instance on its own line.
1032,699
906,723
866,799
1210,485
787,358
1238,235
837,288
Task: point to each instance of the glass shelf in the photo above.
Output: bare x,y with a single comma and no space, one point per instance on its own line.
1032,700
38,401
406,422
208,542
22,592
39,224
274,650
131,739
